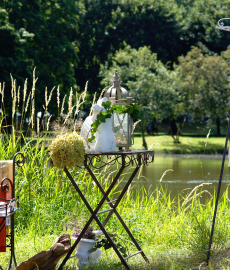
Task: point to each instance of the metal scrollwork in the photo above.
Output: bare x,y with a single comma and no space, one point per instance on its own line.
19,162
8,241
221,25
5,187
125,159
94,161
148,158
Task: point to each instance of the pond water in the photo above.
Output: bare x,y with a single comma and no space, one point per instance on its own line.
188,172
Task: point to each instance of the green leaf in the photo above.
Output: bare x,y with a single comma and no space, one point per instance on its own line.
91,139
106,104
123,250
107,245
101,117
93,249
118,109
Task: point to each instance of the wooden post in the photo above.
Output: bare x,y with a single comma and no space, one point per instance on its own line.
47,260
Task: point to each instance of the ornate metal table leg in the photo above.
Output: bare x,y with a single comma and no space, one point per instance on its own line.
93,216
117,202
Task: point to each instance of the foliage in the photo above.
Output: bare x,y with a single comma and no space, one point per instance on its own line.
67,150
199,19
107,25
204,84
103,242
12,53
45,34
133,110
68,40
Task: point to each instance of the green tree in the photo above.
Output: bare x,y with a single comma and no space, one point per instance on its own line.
12,54
48,30
199,19
94,40
149,23
106,26
149,82
204,84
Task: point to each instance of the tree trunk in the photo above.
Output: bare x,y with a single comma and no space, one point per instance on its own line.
179,128
144,144
218,126
47,260
173,129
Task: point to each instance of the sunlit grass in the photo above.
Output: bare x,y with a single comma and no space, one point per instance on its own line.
174,233
187,145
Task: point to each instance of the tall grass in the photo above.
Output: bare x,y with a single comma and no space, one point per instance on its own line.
25,104
165,227
173,232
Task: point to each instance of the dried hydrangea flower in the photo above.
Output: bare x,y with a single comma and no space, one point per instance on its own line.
67,150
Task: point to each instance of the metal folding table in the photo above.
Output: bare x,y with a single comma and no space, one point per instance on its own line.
124,159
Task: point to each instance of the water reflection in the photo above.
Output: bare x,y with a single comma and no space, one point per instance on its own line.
188,172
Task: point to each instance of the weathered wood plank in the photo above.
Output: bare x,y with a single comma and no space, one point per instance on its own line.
47,260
